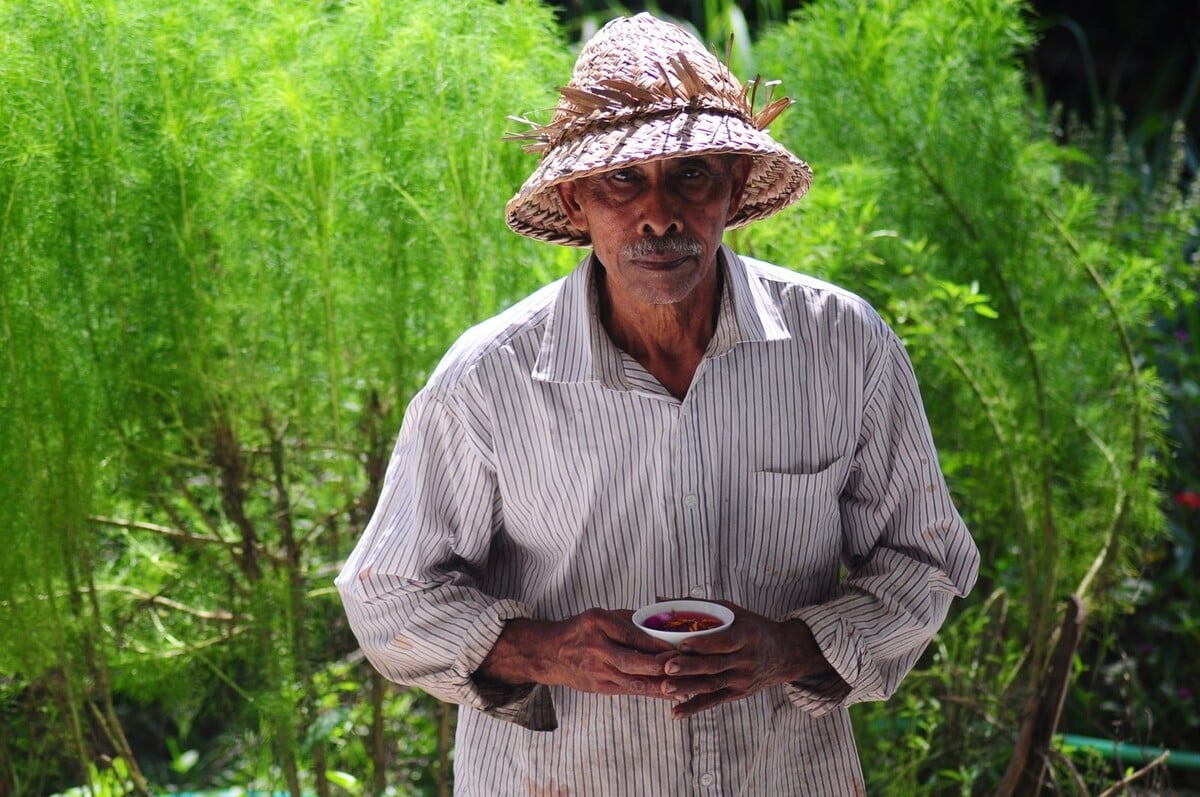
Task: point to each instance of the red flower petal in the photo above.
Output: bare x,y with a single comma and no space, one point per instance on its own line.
1188,498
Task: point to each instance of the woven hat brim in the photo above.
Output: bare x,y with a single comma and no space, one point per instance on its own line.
777,177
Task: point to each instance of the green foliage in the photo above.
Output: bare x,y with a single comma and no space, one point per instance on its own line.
1023,298
234,239
1137,683
111,780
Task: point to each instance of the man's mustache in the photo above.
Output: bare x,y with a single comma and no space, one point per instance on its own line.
675,246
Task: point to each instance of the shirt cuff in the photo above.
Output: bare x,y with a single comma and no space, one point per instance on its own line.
840,647
527,705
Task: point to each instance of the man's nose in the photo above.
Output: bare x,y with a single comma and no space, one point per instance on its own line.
660,213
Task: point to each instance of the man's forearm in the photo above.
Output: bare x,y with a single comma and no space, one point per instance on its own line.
806,659
599,650
516,657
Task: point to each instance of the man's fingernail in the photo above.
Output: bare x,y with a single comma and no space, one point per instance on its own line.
673,668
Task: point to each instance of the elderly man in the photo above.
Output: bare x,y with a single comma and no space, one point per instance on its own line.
670,419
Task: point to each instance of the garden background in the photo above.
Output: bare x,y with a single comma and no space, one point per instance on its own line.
236,235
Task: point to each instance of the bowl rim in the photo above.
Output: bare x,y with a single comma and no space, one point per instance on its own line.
723,613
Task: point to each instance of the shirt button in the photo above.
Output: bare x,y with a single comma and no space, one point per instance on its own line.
689,500
707,779
697,592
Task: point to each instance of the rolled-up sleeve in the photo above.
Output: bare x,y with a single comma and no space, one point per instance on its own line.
409,585
906,549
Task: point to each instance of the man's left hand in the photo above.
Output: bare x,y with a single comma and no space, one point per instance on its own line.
753,654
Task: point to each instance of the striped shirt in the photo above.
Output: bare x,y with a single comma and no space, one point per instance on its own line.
542,472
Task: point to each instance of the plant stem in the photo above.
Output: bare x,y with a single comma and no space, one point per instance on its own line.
1137,422
378,741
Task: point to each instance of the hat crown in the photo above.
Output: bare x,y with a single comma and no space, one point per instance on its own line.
641,65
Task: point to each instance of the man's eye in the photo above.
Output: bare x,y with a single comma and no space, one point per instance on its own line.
694,172
621,176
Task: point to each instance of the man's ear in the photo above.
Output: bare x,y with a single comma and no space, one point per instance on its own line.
568,195
739,174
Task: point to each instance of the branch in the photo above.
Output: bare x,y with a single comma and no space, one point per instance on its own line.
322,523
1025,334
1121,509
1138,444
1027,768
227,457
165,531
182,649
993,420
1044,563
179,535
1120,785
182,488
219,616
1067,764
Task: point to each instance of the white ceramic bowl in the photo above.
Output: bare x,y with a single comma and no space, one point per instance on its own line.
666,608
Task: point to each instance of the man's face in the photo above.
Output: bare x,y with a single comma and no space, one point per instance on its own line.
656,226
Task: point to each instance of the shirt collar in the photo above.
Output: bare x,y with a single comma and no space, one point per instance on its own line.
576,348
755,315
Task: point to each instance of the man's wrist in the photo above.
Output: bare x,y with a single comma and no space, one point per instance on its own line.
514,659
803,654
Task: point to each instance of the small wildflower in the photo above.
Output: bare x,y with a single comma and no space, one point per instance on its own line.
1185,693
1182,335
1189,499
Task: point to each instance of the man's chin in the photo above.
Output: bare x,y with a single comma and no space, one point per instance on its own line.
665,296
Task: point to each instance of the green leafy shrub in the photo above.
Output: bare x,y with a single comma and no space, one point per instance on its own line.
1136,685
234,238
942,197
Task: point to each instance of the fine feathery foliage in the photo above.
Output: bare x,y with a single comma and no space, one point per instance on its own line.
941,196
234,239
236,236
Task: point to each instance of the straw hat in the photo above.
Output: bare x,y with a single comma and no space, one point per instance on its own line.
645,89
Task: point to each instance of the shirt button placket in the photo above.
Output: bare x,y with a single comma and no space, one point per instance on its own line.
706,757
707,760
690,484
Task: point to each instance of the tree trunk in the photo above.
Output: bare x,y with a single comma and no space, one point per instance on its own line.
378,748
1031,753
445,741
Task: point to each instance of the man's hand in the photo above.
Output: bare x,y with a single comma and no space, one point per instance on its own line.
598,651
751,655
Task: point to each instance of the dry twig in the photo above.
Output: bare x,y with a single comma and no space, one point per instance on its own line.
1120,785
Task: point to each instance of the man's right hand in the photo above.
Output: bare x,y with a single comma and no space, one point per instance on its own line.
598,651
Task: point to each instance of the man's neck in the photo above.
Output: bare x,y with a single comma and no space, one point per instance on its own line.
669,340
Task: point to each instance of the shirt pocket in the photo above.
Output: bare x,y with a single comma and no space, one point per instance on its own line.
793,530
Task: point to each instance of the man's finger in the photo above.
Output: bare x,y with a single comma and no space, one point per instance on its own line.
647,687
684,666
701,703
629,662
703,685
629,635
730,640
